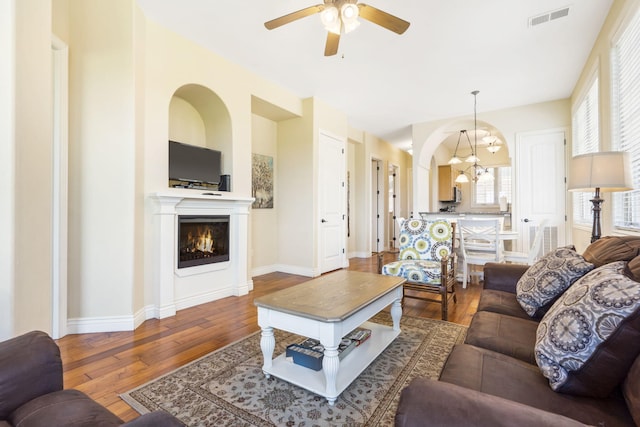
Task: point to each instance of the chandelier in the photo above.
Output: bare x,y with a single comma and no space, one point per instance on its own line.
476,171
493,141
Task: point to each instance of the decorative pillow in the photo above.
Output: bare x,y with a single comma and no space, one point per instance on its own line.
548,278
588,340
612,248
634,268
426,240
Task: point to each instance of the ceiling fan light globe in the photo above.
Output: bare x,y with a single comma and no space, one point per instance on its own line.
349,13
330,17
351,26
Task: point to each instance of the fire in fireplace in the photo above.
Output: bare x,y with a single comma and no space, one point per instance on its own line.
202,239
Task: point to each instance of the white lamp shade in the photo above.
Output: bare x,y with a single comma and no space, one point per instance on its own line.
485,176
609,171
462,178
472,159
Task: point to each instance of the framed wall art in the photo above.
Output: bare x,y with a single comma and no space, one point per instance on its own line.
262,181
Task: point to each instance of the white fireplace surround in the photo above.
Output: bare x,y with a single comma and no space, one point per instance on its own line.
175,289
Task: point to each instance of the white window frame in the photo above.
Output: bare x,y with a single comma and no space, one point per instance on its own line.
585,125
625,104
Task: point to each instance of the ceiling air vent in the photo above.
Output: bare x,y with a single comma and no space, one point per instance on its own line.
548,16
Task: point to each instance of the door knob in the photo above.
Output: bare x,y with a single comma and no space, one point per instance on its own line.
323,220
526,220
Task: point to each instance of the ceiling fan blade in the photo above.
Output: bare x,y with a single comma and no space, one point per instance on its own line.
331,48
383,19
293,16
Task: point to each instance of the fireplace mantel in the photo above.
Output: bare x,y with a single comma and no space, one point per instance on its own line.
170,195
175,289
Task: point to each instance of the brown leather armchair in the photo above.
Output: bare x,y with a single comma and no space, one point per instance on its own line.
32,394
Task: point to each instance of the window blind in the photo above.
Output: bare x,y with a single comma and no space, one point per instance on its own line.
586,132
485,190
489,192
625,74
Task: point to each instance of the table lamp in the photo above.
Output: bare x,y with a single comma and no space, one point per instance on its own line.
606,171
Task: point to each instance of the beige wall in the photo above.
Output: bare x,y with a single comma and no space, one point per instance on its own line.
185,123
103,149
264,246
296,191
25,245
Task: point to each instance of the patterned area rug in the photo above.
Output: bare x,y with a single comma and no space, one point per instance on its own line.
227,387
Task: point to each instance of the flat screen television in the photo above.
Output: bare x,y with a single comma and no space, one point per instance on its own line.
194,164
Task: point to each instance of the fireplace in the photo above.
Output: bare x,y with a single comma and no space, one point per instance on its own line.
202,239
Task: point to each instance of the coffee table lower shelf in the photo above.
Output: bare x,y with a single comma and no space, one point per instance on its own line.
350,367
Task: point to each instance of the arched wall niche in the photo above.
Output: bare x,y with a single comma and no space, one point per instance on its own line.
198,116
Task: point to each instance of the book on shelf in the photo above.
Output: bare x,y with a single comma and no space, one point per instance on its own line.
359,335
310,352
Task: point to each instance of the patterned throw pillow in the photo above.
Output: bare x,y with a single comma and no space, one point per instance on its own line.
634,268
548,278
588,340
424,239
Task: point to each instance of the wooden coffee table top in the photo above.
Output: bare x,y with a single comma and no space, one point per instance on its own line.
332,297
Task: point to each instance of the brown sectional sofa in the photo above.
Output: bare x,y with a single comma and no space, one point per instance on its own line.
493,379
32,395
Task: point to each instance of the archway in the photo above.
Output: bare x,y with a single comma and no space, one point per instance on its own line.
439,146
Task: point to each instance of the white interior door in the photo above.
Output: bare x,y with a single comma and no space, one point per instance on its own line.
332,203
540,188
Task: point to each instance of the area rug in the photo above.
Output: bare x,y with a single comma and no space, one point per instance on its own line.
227,387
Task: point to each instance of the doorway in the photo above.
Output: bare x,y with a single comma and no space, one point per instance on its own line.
540,183
394,208
377,206
332,203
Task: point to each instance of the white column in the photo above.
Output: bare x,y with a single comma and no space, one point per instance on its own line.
165,256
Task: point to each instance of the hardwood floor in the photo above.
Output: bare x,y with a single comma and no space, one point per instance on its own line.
103,365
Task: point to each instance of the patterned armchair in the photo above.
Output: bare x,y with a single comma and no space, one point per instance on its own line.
427,260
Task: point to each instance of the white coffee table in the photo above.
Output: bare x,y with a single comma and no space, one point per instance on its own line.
327,308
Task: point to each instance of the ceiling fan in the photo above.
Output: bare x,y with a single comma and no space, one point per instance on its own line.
340,16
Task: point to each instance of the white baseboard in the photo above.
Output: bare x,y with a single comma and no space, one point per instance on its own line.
283,268
360,255
300,271
100,324
130,323
265,269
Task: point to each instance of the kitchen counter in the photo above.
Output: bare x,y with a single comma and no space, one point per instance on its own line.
502,214
505,215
